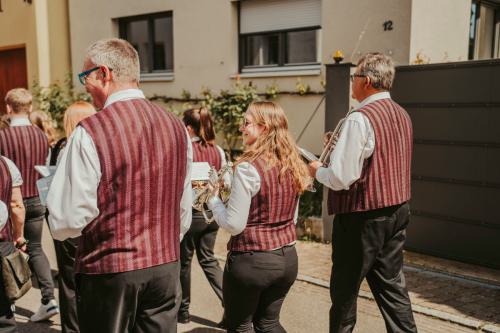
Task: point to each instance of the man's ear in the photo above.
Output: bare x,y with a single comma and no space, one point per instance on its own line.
368,82
9,109
106,73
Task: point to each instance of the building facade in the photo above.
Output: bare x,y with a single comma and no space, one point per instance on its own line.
34,43
188,45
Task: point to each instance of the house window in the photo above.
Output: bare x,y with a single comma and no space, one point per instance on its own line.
279,34
484,36
152,37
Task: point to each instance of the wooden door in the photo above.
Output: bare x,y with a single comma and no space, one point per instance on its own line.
13,72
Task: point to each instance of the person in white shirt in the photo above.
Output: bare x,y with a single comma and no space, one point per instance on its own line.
369,177
124,184
261,213
12,214
201,236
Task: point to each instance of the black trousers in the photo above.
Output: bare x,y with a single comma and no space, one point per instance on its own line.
39,264
145,300
370,244
200,238
255,286
65,254
7,321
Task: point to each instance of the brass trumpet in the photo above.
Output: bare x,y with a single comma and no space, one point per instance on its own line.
202,190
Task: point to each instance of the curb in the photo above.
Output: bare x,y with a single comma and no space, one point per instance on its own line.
469,323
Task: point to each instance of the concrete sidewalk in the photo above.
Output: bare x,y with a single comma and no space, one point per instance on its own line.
464,294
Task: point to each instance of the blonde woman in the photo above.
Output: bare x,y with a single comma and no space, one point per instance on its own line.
72,116
66,250
261,215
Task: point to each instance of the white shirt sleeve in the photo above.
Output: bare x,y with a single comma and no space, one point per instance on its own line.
246,184
17,179
4,214
187,195
356,143
72,197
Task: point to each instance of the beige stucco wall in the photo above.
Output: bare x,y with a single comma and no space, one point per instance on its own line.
440,30
18,28
205,52
42,28
356,27
206,42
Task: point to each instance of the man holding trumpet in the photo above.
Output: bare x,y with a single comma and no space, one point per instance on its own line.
369,187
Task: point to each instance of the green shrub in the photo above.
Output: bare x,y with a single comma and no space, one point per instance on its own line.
56,98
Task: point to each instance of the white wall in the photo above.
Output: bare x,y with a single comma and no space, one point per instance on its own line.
440,30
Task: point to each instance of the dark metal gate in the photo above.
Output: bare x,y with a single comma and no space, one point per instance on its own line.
455,109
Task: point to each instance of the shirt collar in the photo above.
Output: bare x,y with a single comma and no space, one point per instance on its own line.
20,121
123,95
195,139
373,98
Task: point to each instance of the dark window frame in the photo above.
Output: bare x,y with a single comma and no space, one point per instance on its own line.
472,42
122,27
282,48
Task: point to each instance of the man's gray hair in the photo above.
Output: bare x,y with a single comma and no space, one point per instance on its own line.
118,55
379,68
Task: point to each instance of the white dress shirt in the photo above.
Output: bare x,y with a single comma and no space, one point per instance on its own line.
4,214
245,185
356,143
17,180
72,197
20,121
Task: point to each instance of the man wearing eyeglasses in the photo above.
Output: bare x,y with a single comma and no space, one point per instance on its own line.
123,184
369,187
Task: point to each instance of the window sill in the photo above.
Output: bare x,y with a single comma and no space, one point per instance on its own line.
157,77
279,71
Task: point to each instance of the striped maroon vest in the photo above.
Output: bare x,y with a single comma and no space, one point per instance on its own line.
26,146
142,150
5,196
207,153
270,221
385,178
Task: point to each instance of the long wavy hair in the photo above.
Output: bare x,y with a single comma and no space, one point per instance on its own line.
276,145
200,120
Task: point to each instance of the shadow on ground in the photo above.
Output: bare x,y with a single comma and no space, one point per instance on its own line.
25,326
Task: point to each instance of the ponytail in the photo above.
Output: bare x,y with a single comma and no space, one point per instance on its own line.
207,132
202,124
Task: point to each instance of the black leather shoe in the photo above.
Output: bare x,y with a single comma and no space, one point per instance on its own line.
183,318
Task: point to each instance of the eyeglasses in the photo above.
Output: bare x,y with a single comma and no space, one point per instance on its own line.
83,75
356,75
246,123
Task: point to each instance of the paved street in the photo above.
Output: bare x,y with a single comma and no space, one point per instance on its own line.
305,310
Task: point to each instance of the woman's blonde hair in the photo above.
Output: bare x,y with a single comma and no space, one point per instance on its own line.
276,144
43,121
75,113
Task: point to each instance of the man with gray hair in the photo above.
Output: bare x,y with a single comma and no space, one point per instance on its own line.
123,184
369,187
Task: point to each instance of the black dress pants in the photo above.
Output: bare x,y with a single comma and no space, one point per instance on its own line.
140,301
370,244
65,254
7,321
39,264
255,286
200,238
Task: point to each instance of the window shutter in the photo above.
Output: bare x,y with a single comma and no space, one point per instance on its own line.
270,15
